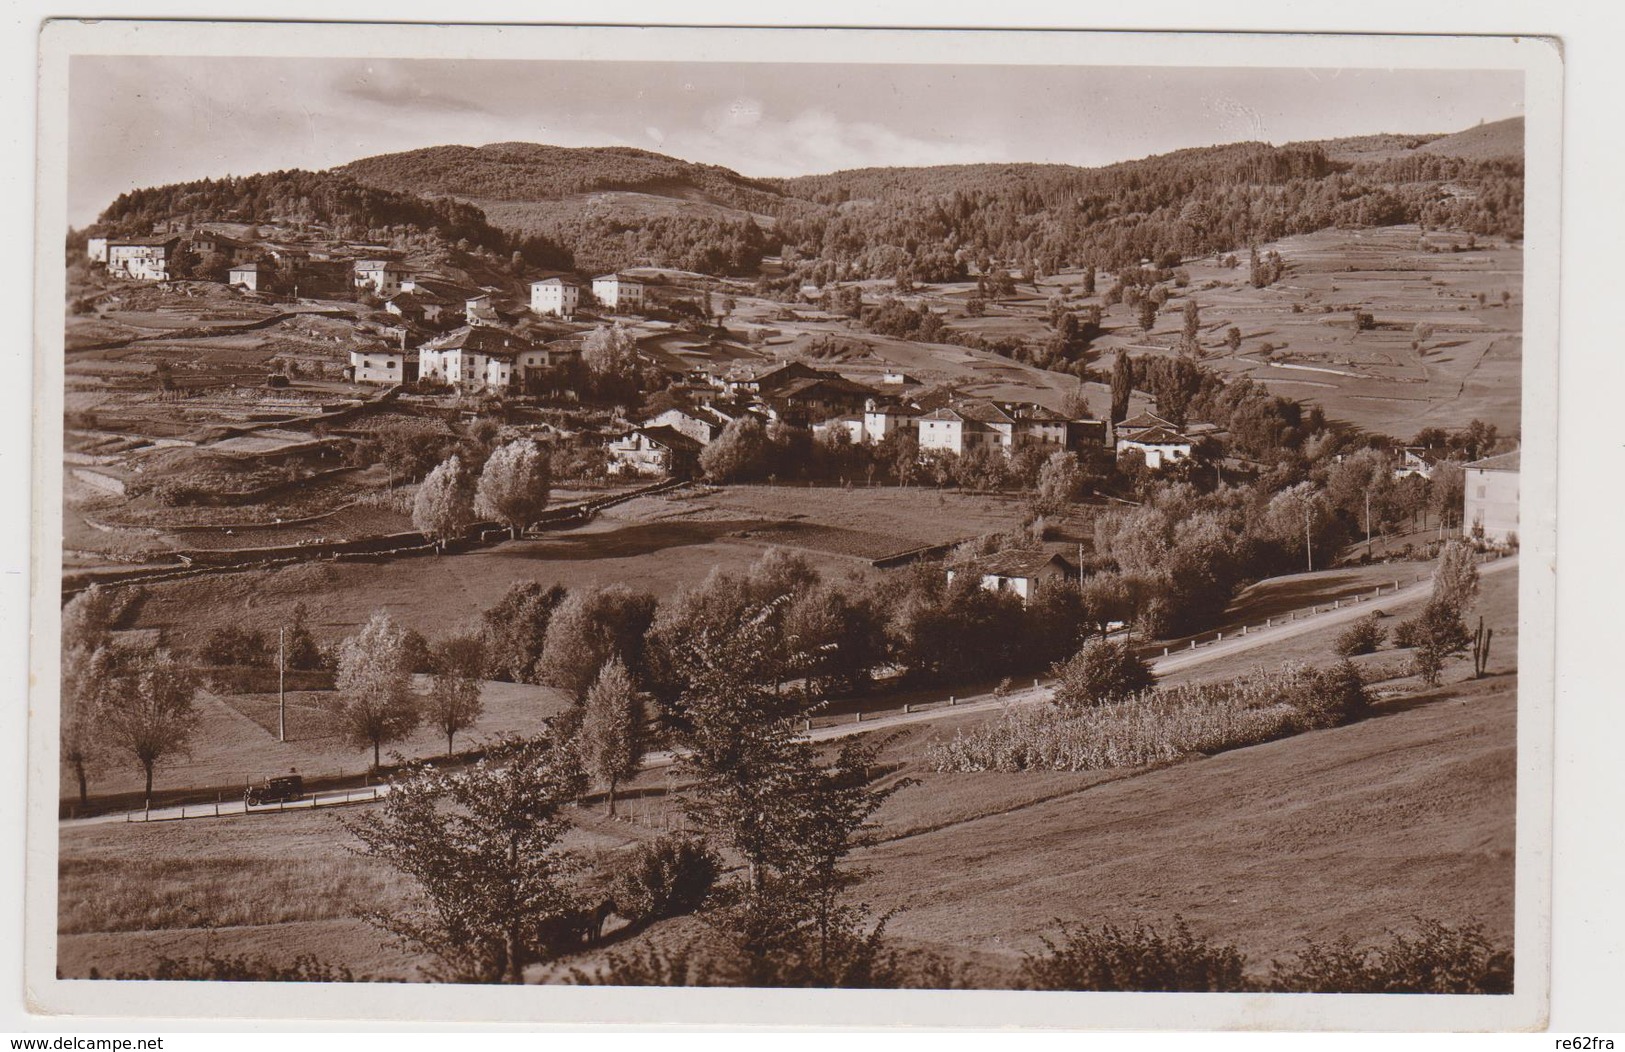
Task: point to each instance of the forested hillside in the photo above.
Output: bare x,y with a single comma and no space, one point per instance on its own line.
343,206
1194,202
527,171
600,209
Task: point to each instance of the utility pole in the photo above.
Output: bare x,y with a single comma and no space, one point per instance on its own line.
281,694
1368,523
1308,549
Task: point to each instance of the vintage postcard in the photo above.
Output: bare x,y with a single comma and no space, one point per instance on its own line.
793,527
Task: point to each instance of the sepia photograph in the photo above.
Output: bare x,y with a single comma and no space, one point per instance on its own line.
794,510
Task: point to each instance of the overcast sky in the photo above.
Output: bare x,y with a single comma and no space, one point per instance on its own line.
139,121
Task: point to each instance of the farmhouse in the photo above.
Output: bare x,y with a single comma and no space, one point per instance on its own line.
143,258
653,451
702,423
418,305
756,380
1160,444
381,365
818,397
251,276
958,431
881,420
557,294
618,292
1490,500
382,276
1415,462
205,242
477,357
1023,572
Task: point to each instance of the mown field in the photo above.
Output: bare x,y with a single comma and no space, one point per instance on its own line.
658,545
1353,830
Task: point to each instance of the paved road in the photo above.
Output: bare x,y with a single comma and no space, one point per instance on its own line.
1174,662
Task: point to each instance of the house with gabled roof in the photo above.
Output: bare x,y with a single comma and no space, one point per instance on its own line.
1022,572
482,357
653,451
1160,445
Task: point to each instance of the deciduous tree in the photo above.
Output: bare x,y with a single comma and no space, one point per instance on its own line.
148,710
611,738
374,685
444,505
481,846
454,702
513,487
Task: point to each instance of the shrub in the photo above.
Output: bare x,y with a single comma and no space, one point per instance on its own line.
234,645
1101,672
667,878
1362,637
1436,633
1438,959
1329,697
1137,959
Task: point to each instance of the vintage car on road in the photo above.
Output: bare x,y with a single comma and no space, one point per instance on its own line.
276,790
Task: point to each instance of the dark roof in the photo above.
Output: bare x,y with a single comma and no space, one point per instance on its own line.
1499,462
247,266
560,277
670,437
983,413
803,386
620,277
898,410
148,242
1142,420
443,291
1157,436
480,339
1024,563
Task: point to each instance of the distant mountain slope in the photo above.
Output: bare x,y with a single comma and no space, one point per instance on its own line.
1364,148
523,171
1493,141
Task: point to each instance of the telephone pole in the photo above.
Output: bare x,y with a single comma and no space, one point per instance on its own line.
1308,549
1368,524
281,693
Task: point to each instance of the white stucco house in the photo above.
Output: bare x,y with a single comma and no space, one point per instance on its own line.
143,258
557,295
618,292
383,276
381,365
1490,498
251,276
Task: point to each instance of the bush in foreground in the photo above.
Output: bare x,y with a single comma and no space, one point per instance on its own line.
1141,959
1362,637
1101,672
667,878
1435,959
